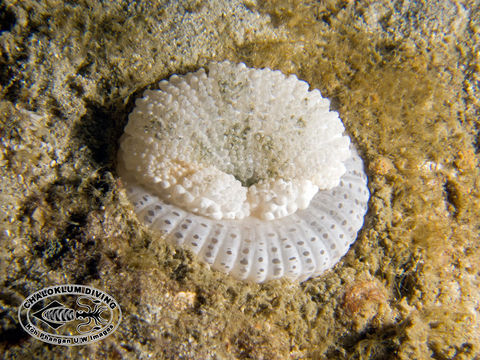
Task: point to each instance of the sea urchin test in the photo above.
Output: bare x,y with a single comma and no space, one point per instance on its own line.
248,169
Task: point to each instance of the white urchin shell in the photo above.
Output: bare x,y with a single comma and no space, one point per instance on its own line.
248,169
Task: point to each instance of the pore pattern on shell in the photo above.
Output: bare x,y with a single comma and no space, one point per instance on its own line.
248,169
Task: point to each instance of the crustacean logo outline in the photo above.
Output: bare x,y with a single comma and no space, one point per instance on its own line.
93,316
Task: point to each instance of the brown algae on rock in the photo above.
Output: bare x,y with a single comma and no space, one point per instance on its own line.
401,79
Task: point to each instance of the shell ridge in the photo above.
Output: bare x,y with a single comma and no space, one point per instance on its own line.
201,229
168,219
261,258
275,256
306,259
184,230
290,252
317,241
242,265
213,243
229,249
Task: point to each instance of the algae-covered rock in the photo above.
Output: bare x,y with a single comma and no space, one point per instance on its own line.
403,77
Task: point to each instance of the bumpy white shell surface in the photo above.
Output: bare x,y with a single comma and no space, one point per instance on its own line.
298,244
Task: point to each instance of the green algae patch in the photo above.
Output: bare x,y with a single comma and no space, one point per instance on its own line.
409,98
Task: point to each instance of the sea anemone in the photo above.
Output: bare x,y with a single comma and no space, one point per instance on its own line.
248,169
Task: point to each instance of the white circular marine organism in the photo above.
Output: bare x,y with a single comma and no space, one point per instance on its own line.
248,169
